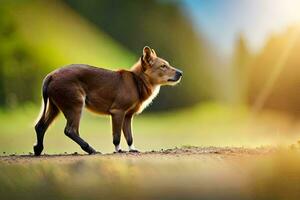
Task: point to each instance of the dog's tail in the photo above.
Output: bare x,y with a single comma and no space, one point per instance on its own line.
46,82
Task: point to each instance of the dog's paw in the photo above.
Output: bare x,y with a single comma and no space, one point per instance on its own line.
37,150
120,151
134,151
94,152
90,150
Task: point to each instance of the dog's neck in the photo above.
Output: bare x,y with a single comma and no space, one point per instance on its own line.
144,85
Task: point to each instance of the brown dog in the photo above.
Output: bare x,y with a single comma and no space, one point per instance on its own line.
120,94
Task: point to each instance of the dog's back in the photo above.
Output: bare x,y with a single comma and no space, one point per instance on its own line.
76,84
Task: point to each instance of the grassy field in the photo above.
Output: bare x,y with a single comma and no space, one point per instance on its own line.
270,172
204,125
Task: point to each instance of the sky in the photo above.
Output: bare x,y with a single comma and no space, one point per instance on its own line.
222,20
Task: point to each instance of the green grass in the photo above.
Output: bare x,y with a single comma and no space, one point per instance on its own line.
208,124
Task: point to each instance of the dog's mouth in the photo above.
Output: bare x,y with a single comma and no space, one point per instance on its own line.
173,81
176,78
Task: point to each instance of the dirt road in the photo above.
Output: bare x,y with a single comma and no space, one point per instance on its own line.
179,173
188,152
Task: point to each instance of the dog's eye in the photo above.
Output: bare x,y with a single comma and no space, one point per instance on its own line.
163,66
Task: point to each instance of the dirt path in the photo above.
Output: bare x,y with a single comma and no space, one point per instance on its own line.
178,173
175,153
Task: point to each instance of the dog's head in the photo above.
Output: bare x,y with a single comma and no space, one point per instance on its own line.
158,70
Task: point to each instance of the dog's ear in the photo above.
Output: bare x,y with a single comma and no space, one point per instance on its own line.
147,55
154,53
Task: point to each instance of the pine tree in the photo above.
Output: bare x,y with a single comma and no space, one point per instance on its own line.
241,61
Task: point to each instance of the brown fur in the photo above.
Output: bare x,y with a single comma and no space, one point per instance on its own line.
120,94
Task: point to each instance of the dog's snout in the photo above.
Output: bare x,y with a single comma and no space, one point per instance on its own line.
179,73
177,76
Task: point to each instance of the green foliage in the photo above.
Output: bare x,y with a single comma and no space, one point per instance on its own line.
19,74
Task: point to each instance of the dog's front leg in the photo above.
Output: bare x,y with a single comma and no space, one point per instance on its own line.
117,123
128,133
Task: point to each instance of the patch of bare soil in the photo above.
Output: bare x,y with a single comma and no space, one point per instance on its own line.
183,152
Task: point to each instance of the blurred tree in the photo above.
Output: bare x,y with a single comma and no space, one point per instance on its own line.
164,26
18,73
241,61
275,74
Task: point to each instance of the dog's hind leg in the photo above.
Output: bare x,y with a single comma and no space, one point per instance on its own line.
42,125
72,129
